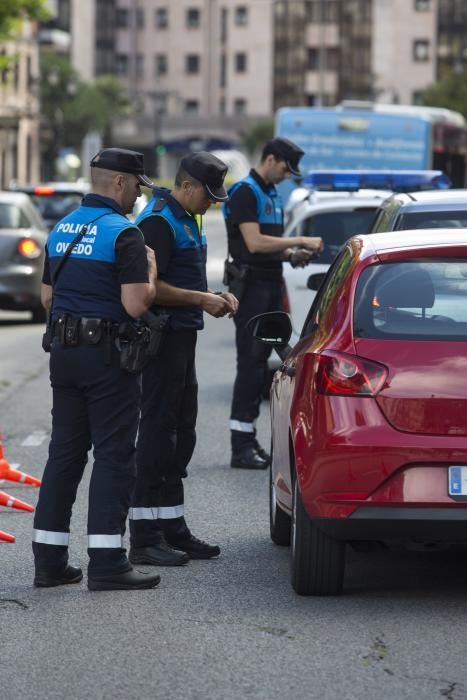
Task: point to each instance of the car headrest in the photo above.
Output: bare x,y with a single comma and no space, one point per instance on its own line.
408,288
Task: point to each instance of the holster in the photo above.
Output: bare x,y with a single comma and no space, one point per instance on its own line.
235,277
140,344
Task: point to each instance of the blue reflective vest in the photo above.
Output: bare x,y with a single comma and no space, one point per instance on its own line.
187,266
88,283
269,215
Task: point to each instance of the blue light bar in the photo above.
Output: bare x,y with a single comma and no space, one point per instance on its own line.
394,180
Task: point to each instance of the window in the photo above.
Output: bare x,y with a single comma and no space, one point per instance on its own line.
224,17
161,18
335,227
191,106
223,71
332,59
122,64
139,65
240,62
122,19
240,106
193,18
160,64
313,59
421,50
222,105
139,18
192,63
241,16
318,11
422,5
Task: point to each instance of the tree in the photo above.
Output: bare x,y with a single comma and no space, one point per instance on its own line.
450,93
256,137
11,14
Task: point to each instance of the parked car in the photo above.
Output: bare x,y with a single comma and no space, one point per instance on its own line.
22,241
420,210
56,199
369,408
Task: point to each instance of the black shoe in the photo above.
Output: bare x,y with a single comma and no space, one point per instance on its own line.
197,549
262,453
160,554
249,458
127,581
70,574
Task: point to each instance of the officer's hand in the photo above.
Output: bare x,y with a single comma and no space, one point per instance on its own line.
301,257
314,244
214,304
232,302
152,266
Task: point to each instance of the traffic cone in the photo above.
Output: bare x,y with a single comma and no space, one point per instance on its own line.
5,537
10,502
10,474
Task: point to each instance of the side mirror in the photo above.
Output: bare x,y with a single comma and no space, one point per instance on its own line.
315,281
273,329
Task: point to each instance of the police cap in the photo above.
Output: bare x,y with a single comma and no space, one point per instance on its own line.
288,151
122,161
209,171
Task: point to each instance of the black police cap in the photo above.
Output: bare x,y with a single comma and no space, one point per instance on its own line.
209,171
288,151
122,161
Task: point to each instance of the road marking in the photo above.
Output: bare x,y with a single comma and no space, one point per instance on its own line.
34,439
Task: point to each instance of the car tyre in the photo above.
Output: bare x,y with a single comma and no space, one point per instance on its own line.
280,524
317,561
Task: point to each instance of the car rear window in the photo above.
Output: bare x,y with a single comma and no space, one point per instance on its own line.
336,227
433,219
12,216
54,207
423,300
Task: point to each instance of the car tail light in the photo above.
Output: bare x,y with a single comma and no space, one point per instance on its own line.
28,248
347,375
285,303
44,190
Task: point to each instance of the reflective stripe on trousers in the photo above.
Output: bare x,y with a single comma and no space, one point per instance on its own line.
242,427
48,537
156,513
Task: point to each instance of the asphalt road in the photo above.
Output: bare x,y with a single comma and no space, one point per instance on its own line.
225,629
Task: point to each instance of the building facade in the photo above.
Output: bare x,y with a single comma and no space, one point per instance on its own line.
19,109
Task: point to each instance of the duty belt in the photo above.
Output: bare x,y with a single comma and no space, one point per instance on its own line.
73,331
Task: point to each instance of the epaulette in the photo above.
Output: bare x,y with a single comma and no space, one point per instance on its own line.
159,204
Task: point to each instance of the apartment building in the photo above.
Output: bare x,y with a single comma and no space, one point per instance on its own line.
19,109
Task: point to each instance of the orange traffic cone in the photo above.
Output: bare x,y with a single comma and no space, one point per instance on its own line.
5,537
10,474
10,502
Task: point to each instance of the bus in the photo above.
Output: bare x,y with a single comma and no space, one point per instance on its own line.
356,135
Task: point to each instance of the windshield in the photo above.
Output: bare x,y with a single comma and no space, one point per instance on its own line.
433,219
54,207
336,227
422,300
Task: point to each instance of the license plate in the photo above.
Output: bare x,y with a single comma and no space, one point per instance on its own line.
457,482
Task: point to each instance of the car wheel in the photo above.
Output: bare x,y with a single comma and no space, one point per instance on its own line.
280,524
38,314
317,561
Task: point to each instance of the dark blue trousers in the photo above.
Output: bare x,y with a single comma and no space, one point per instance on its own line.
97,406
260,296
166,440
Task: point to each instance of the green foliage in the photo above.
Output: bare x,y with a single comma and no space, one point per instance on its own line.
13,10
450,93
255,138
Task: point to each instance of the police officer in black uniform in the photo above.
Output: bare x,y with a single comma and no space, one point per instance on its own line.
254,221
172,226
94,296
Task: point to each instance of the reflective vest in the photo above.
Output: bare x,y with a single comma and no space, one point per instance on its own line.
187,266
269,215
88,283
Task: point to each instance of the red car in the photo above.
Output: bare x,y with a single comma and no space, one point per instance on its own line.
369,408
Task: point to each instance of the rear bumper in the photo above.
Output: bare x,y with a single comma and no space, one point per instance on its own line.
20,287
382,524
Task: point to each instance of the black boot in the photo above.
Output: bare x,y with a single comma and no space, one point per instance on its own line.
47,579
248,458
158,554
195,548
262,452
127,581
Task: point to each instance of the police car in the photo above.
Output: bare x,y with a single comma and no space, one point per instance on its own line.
336,205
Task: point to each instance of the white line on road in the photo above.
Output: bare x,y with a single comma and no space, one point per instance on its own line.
34,439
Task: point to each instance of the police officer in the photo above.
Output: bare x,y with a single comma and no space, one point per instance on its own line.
93,295
172,226
254,221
